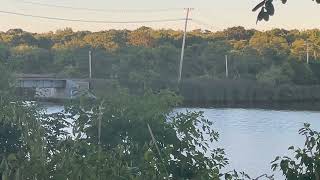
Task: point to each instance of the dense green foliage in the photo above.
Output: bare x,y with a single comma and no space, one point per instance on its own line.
247,93
149,58
276,56
121,136
306,162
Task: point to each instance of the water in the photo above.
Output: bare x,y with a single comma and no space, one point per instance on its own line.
252,138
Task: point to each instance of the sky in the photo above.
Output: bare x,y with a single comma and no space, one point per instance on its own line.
213,14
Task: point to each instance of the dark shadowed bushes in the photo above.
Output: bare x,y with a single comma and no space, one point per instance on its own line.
232,92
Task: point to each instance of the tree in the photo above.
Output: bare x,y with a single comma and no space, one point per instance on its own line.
30,59
269,45
238,33
21,138
141,37
151,145
276,75
4,52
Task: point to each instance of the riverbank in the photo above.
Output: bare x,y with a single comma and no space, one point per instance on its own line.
226,93
291,105
249,94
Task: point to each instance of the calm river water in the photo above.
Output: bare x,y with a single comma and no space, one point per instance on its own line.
252,138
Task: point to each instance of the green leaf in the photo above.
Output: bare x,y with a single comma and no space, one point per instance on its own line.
260,15
274,167
270,8
276,159
228,176
259,6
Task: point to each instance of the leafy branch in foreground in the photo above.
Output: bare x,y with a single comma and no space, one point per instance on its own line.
267,9
179,147
306,162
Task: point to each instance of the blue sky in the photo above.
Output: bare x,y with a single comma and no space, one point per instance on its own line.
216,14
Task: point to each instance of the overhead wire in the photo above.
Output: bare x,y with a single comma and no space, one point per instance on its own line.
92,21
103,10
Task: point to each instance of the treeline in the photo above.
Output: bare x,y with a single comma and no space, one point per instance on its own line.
145,56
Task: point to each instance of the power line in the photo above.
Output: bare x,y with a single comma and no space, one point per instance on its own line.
104,10
93,21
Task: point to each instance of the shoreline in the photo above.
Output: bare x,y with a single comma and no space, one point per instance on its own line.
264,105
290,106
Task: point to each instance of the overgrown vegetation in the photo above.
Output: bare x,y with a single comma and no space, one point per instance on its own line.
275,60
122,136
132,133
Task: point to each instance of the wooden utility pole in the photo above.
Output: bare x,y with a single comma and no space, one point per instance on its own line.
307,52
183,44
90,64
227,71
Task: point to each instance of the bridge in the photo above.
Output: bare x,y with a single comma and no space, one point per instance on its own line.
51,87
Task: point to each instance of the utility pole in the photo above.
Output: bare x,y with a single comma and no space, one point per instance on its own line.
307,52
90,64
227,71
183,44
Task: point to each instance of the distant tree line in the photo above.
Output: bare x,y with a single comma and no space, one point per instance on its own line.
121,135
145,56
